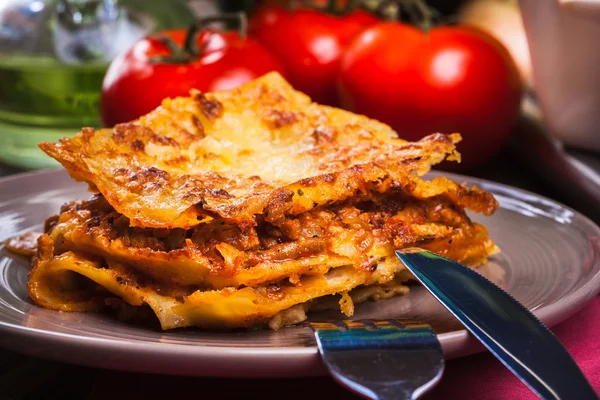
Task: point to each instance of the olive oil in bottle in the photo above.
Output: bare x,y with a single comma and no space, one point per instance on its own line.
53,57
44,100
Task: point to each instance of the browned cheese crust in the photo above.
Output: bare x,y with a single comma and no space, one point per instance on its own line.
260,149
245,207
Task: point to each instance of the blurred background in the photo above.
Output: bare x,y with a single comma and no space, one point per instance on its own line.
504,73
519,79
54,56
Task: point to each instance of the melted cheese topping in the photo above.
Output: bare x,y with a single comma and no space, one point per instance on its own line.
232,209
260,149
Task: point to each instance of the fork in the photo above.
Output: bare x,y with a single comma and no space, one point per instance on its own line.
381,359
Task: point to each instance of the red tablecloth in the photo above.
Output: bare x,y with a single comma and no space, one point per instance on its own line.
483,377
479,376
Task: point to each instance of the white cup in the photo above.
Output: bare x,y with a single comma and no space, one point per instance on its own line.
564,41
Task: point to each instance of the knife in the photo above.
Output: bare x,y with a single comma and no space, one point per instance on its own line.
510,331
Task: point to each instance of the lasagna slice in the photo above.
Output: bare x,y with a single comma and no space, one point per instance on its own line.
248,207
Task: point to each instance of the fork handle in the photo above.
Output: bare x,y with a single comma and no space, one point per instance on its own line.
383,359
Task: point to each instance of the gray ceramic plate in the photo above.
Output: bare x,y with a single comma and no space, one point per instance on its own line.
550,262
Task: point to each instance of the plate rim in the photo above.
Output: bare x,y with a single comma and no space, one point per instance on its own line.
267,361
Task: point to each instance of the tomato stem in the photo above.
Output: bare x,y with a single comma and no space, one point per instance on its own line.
177,56
389,10
191,50
417,12
423,15
190,45
331,6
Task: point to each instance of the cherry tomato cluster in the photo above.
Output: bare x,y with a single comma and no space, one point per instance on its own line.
309,43
446,79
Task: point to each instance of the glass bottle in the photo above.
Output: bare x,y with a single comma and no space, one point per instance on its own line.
53,56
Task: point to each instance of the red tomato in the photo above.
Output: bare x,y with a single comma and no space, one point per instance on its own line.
135,84
309,44
452,79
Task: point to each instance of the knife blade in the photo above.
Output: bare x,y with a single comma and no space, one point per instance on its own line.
510,331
